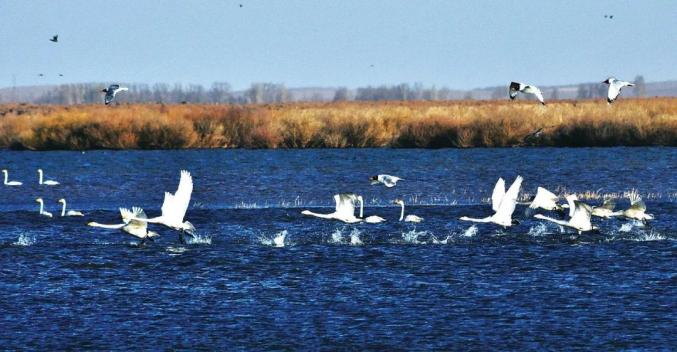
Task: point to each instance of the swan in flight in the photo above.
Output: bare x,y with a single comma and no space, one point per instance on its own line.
70,212
374,219
503,203
516,87
606,210
45,182
637,210
10,183
132,223
408,218
111,92
388,180
42,208
615,87
175,206
545,199
580,214
344,211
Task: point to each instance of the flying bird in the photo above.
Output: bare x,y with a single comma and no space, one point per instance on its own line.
580,215
606,210
55,38
637,210
344,211
388,180
615,87
516,87
112,91
132,223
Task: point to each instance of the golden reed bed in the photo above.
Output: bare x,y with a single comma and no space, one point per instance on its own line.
457,124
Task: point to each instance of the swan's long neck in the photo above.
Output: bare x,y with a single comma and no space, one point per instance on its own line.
63,208
40,176
106,226
6,176
487,219
556,221
361,207
402,211
318,215
42,207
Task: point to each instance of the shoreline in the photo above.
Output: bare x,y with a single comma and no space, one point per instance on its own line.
630,122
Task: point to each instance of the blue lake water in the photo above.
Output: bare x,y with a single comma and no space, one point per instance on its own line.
439,284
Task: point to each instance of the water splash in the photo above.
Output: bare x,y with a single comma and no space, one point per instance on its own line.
627,227
199,239
652,235
437,241
412,236
538,230
175,250
470,231
336,237
278,239
24,240
355,238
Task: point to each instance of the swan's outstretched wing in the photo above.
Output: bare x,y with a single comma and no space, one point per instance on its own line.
497,194
581,217
609,204
539,96
636,202
509,201
613,92
175,206
544,199
134,226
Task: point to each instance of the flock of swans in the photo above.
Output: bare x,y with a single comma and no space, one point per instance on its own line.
503,203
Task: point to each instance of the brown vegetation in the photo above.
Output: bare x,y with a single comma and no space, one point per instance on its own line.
460,124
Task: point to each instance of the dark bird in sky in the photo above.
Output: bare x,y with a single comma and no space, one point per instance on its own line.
611,17
55,39
240,5
60,74
41,75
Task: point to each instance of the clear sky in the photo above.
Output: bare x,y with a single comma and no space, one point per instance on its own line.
459,44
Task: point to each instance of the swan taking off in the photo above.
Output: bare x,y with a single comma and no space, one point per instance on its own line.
132,223
45,182
606,210
42,208
408,218
344,211
70,212
503,203
10,183
615,87
111,92
388,180
175,206
374,219
516,87
637,210
580,218
545,199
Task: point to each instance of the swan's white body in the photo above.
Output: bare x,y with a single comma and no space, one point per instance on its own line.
580,220
615,87
45,182
344,210
175,206
42,208
502,202
112,91
545,199
374,219
70,212
132,223
408,218
517,87
387,180
637,210
606,210
10,183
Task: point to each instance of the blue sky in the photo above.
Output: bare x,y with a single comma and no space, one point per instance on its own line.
457,44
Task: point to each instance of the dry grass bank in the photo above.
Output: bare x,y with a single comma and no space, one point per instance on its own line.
628,122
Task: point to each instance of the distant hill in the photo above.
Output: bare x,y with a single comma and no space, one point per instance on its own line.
79,93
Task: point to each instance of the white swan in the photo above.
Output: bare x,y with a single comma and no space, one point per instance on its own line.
545,199
175,206
132,223
637,210
408,218
42,208
70,212
502,202
388,180
344,211
580,220
374,219
10,183
517,87
606,210
45,182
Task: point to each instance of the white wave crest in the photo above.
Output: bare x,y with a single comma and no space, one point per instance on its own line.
627,227
278,239
470,231
175,250
24,240
437,241
539,230
199,239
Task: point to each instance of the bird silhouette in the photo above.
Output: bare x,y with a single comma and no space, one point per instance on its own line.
55,39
